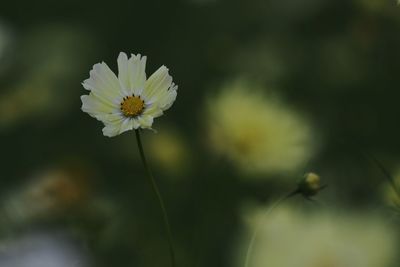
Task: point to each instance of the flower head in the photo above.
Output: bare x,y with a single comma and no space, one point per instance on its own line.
259,134
310,185
129,101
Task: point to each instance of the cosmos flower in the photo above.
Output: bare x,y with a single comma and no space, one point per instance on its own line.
291,237
259,134
129,101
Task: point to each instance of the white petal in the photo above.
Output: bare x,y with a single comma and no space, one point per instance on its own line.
135,123
126,125
111,130
137,74
115,118
158,82
154,111
123,71
113,124
95,106
131,73
145,121
167,98
129,124
103,83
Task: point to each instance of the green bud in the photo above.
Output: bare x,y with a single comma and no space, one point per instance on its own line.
310,185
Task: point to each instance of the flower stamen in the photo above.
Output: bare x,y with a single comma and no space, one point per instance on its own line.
132,106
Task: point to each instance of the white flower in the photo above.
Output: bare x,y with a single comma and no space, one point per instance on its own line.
129,101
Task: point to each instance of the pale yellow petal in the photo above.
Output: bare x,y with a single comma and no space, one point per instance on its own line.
137,74
131,73
135,123
115,118
126,125
159,82
154,111
167,98
145,121
113,124
123,73
95,106
103,83
111,130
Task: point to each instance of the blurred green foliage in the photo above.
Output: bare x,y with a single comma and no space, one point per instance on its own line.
337,61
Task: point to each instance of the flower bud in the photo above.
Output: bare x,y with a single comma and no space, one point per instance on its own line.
310,185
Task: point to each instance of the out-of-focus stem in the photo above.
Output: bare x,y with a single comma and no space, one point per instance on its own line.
159,198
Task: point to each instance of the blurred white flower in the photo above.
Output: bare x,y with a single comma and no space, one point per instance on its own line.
129,101
257,133
42,250
291,238
48,194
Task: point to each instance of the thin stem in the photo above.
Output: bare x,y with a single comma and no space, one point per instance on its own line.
257,229
159,197
387,175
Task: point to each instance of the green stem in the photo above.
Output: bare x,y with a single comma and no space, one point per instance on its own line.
387,175
159,198
257,229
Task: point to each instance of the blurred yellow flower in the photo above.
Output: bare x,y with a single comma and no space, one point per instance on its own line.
44,71
290,238
257,133
169,150
129,101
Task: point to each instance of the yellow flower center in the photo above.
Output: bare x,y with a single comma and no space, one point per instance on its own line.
132,106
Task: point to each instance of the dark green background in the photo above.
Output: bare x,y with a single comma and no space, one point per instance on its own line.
335,60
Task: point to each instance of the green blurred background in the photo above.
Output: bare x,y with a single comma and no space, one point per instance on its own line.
336,61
